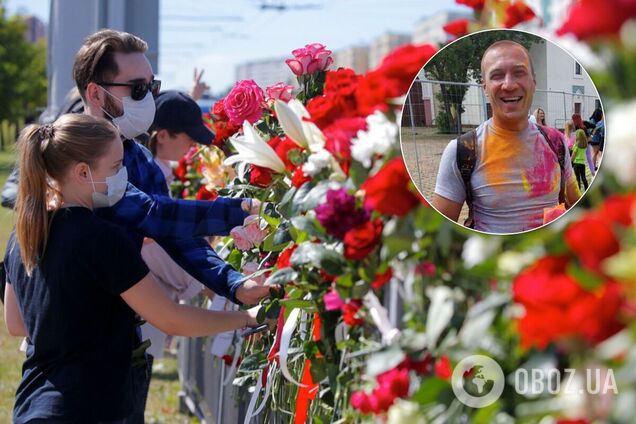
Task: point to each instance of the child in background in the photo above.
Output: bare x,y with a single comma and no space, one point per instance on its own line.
568,131
579,158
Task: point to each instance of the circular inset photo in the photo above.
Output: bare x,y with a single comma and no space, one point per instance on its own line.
502,131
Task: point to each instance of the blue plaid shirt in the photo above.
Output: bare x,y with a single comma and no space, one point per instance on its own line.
177,225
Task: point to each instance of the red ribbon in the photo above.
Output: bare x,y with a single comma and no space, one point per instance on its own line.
309,390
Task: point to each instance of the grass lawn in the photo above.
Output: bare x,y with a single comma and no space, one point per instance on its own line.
163,402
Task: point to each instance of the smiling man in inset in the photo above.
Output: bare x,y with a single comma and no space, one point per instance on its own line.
511,173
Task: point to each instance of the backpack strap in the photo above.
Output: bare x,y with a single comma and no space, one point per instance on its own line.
557,146
466,159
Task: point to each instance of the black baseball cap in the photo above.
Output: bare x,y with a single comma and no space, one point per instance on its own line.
178,112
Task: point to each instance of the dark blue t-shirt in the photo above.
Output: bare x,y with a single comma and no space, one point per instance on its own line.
81,332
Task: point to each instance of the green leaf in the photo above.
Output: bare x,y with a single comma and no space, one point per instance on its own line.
282,276
384,361
429,390
318,369
318,256
234,258
587,280
308,225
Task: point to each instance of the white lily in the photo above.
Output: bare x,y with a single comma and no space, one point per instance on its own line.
291,117
253,149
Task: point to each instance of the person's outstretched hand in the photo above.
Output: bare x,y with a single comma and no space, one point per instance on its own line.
251,292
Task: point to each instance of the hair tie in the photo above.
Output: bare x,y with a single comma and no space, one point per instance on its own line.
45,134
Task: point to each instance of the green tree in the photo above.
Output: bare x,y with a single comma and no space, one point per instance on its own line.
459,62
23,82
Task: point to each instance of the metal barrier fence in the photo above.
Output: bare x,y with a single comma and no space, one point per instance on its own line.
201,374
436,111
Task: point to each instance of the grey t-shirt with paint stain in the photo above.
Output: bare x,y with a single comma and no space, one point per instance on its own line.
516,176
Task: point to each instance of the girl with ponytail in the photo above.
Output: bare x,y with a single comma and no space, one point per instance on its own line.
74,281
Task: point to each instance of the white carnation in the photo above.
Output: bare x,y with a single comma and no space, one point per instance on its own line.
316,162
378,139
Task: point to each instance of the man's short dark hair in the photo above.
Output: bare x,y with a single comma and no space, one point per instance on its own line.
95,60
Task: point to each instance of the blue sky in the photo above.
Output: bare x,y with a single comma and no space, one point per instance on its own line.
218,35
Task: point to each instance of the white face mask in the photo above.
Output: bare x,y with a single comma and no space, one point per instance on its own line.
137,116
116,188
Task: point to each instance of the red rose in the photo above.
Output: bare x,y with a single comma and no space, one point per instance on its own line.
619,209
558,308
443,368
223,131
597,18
381,399
457,28
475,4
324,110
389,191
284,258
205,194
299,178
373,92
342,82
421,366
361,240
403,64
517,13
259,176
383,278
592,240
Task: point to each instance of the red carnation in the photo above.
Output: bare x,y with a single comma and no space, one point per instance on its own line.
592,240
338,137
324,110
517,13
373,92
389,191
457,28
361,240
181,170
360,401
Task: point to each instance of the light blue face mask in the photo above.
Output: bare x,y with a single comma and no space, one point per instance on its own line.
116,188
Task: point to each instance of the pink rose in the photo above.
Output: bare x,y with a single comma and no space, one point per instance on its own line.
244,102
309,59
280,91
250,234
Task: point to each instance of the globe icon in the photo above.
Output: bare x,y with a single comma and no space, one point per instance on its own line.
477,381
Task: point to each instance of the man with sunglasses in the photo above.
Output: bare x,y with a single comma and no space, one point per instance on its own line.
115,80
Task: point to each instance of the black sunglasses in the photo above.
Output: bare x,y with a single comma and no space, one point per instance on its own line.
139,89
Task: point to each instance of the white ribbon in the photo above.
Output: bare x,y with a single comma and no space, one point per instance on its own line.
268,388
257,390
285,339
380,318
